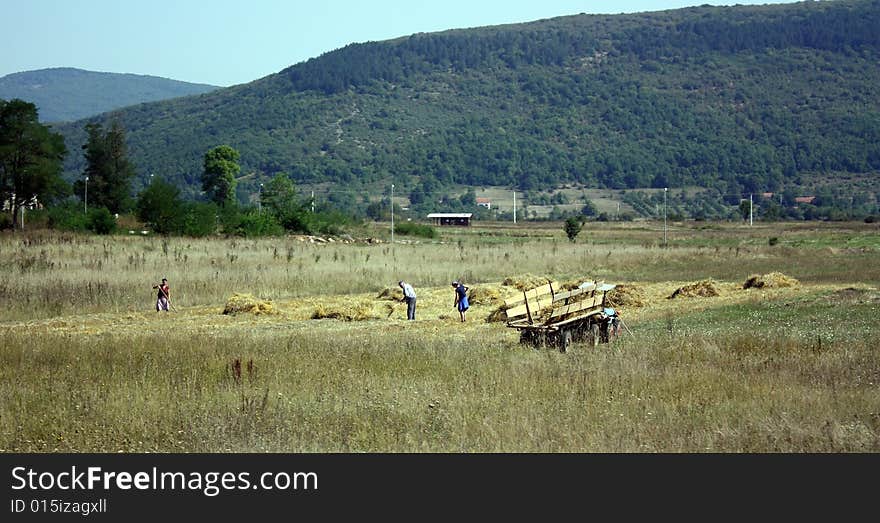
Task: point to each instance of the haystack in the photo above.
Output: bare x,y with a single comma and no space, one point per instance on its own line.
770,280
248,303
525,282
626,295
359,311
498,315
570,285
484,296
700,289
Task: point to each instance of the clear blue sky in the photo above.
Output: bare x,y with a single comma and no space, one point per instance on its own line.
226,42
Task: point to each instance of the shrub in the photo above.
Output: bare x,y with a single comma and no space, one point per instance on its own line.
869,219
68,216
100,221
415,229
5,221
773,241
254,223
159,206
199,219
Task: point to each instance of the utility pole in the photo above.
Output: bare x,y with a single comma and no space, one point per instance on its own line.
751,213
260,203
618,211
514,206
392,214
313,202
86,199
664,216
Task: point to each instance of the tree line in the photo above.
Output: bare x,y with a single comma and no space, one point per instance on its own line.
31,157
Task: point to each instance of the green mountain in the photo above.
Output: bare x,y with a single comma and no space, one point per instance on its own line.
66,94
737,99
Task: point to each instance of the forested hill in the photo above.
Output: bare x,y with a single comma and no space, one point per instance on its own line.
67,94
739,98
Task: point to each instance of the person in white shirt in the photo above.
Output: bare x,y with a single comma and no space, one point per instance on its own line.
409,296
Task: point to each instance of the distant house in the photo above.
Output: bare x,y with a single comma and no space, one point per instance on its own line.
30,203
485,202
767,194
804,199
451,218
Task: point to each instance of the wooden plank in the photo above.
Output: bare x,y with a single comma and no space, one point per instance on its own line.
535,306
576,307
534,293
580,317
572,293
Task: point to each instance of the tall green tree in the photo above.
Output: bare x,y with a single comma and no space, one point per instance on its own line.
218,178
108,168
572,228
31,157
159,206
278,198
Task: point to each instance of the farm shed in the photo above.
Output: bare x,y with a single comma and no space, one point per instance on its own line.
451,218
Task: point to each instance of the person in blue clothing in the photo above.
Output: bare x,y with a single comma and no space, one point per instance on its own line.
461,299
613,318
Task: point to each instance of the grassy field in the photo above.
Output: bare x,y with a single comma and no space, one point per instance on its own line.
87,365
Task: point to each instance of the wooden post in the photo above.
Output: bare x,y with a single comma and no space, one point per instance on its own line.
528,311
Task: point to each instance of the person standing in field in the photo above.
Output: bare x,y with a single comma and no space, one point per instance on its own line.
461,299
409,296
163,298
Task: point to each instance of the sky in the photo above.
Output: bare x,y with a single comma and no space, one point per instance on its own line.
228,42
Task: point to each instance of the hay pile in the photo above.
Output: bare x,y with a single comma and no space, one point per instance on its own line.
484,296
525,282
570,285
248,303
498,315
626,296
700,289
770,280
359,311
391,293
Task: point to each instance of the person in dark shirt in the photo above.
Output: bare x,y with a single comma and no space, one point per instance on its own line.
461,299
163,298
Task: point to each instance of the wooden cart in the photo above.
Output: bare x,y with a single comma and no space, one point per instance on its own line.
545,317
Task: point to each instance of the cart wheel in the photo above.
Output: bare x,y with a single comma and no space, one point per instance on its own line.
564,340
528,337
593,335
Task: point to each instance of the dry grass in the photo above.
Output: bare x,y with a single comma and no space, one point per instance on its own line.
358,311
485,295
626,295
770,281
525,282
87,365
247,303
700,289
391,293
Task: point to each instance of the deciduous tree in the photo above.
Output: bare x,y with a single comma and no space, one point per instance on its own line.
218,178
30,157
